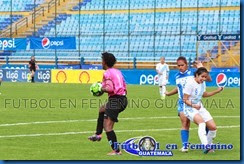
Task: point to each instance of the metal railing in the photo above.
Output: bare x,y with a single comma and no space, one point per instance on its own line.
124,62
38,12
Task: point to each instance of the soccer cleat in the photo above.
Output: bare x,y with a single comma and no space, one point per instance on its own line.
206,151
115,153
183,150
95,137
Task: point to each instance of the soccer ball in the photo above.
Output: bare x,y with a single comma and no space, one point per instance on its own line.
95,89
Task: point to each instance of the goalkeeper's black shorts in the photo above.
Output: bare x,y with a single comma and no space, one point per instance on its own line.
114,106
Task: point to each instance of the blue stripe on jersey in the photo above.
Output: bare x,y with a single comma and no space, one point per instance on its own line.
180,87
189,72
185,74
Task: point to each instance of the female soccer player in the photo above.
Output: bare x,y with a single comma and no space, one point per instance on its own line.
32,66
182,77
194,110
163,74
113,84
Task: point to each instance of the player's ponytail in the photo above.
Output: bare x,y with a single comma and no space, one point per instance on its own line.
200,71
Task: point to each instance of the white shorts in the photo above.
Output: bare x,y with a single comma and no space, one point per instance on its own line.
162,81
190,113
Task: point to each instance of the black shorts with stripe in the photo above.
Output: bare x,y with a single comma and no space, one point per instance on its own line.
114,106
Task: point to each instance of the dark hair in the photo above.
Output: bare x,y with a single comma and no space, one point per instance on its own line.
109,59
182,58
200,71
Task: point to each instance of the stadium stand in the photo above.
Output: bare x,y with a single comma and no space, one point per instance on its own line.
19,5
148,30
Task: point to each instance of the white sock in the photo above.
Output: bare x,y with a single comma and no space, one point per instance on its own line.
202,133
211,135
160,91
163,90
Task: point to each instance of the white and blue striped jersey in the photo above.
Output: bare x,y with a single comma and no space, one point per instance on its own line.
181,80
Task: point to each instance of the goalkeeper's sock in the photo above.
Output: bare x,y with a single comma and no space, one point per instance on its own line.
111,136
32,79
100,123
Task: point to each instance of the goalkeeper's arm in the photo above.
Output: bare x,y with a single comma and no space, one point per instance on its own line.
108,86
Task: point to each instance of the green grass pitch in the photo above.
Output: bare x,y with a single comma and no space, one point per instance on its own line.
58,128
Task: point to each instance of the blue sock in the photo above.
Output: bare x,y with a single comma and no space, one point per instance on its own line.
184,137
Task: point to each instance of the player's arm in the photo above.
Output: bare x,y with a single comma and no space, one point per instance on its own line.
107,86
189,102
199,64
172,92
208,94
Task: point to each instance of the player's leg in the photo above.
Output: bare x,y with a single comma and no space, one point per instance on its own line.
111,136
210,124
113,108
32,76
163,89
98,135
201,128
212,131
160,90
185,125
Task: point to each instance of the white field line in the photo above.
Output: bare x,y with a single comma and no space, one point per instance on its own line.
117,131
92,120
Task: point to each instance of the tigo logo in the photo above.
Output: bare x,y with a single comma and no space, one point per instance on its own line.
45,43
221,80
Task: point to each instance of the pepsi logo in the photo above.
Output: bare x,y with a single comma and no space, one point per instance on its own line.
221,80
45,43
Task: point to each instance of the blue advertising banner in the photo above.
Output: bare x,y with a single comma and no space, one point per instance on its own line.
15,75
208,37
91,66
76,66
53,43
150,77
12,44
230,37
226,37
25,66
233,69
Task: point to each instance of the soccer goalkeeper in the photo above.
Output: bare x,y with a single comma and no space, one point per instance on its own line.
114,84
